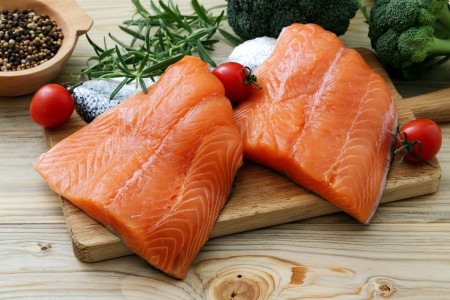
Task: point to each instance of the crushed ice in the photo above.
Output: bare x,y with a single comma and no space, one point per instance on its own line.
252,53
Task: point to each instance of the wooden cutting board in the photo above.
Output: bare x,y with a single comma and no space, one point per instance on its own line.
261,197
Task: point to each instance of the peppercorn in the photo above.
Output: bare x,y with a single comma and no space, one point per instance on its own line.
27,39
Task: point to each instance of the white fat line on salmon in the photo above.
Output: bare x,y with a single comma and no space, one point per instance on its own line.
330,175
318,96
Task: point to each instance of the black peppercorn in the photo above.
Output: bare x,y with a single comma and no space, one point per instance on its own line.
27,39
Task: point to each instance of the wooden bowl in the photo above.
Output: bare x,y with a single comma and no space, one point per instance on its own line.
73,22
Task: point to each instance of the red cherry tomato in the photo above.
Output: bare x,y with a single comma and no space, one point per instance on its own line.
51,105
237,80
417,134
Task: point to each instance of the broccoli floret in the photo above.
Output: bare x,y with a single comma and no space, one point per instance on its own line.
417,43
402,14
377,26
255,18
410,35
387,49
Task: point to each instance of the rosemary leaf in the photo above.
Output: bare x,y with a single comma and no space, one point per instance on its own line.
155,8
234,40
141,9
166,31
132,32
122,63
115,75
174,16
143,85
119,87
160,35
139,31
210,42
161,46
120,43
201,12
148,38
161,65
97,48
219,19
197,34
105,54
204,54
142,64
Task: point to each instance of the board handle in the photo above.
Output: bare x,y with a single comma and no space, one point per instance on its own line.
434,106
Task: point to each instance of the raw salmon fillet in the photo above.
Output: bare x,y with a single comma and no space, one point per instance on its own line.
323,118
157,168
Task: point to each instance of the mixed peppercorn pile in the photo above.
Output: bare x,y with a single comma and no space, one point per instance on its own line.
27,39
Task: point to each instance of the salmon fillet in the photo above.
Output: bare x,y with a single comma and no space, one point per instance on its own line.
157,168
323,118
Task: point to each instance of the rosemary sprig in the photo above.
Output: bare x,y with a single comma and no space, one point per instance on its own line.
160,35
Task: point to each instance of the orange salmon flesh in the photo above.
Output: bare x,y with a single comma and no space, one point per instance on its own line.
323,118
157,168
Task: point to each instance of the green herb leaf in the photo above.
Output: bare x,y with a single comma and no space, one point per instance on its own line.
120,43
133,33
143,85
121,60
234,40
160,36
161,65
143,63
119,87
155,8
97,48
106,54
174,16
201,12
219,19
204,54
140,9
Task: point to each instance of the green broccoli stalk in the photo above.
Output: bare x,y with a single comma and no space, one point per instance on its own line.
412,36
255,18
442,26
435,13
417,43
364,11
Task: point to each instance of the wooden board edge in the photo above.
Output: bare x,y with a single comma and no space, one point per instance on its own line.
429,185
411,187
282,216
110,246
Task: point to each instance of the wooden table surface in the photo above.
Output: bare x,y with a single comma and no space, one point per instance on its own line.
403,254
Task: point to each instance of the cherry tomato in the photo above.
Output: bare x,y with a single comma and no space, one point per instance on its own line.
417,134
237,80
51,105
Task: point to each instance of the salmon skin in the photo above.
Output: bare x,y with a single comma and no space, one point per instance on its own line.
323,118
157,168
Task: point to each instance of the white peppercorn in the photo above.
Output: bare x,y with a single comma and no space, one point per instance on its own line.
27,39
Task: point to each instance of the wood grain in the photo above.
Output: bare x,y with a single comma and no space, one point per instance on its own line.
434,106
402,255
261,196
